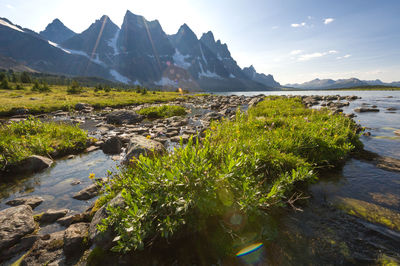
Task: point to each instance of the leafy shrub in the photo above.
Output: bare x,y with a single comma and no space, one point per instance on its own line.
4,85
75,88
247,166
162,111
20,140
43,87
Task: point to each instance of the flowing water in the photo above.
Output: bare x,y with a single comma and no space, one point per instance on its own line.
352,217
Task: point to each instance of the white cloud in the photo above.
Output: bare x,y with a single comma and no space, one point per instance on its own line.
9,6
328,20
296,52
306,57
296,25
343,57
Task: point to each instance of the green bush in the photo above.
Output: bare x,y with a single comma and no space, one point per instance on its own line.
75,88
4,85
20,140
247,166
40,87
162,111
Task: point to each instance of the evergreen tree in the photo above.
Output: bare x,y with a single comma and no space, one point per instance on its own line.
25,77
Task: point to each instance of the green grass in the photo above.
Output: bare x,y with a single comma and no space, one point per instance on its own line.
59,98
20,140
249,166
162,111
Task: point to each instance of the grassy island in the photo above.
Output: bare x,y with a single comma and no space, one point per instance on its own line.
242,170
19,140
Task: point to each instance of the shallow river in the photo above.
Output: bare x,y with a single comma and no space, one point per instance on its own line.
347,220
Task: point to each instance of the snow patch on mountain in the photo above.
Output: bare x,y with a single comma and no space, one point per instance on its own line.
57,46
232,76
5,23
117,76
113,42
179,60
202,55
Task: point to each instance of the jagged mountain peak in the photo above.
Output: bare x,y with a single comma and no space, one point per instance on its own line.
57,32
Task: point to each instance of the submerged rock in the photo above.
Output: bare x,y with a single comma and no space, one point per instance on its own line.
142,145
32,201
365,109
15,222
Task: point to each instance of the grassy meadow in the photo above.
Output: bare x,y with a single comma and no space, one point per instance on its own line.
61,97
242,170
19,140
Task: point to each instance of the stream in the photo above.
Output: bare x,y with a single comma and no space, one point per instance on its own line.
347,220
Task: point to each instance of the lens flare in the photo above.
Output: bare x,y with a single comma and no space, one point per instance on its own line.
250,249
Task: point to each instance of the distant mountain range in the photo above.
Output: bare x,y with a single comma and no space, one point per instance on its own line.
139,52
324,84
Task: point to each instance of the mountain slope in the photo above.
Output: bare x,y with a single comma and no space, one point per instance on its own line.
35,52
57,32
329,84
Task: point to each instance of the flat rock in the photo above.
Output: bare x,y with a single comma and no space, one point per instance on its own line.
397,132
75,218
15,222
92,148
76,239
87,193
23,244
141,145
32,201
52,215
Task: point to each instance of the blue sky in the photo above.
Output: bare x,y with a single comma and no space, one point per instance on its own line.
295,40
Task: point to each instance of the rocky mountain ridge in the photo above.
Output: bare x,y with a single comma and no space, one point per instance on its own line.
138,52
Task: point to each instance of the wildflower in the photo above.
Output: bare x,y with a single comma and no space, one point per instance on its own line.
91,175
213,128
148,137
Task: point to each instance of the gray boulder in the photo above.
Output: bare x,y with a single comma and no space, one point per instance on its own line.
32,201
32,164
123,117
76,239
46,251
15,222
112,145
141,145
87,193
104,239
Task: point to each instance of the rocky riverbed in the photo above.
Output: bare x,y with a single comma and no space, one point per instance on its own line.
122,134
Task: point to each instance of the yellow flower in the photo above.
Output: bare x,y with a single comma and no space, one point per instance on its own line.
213,128
91,175
148,137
